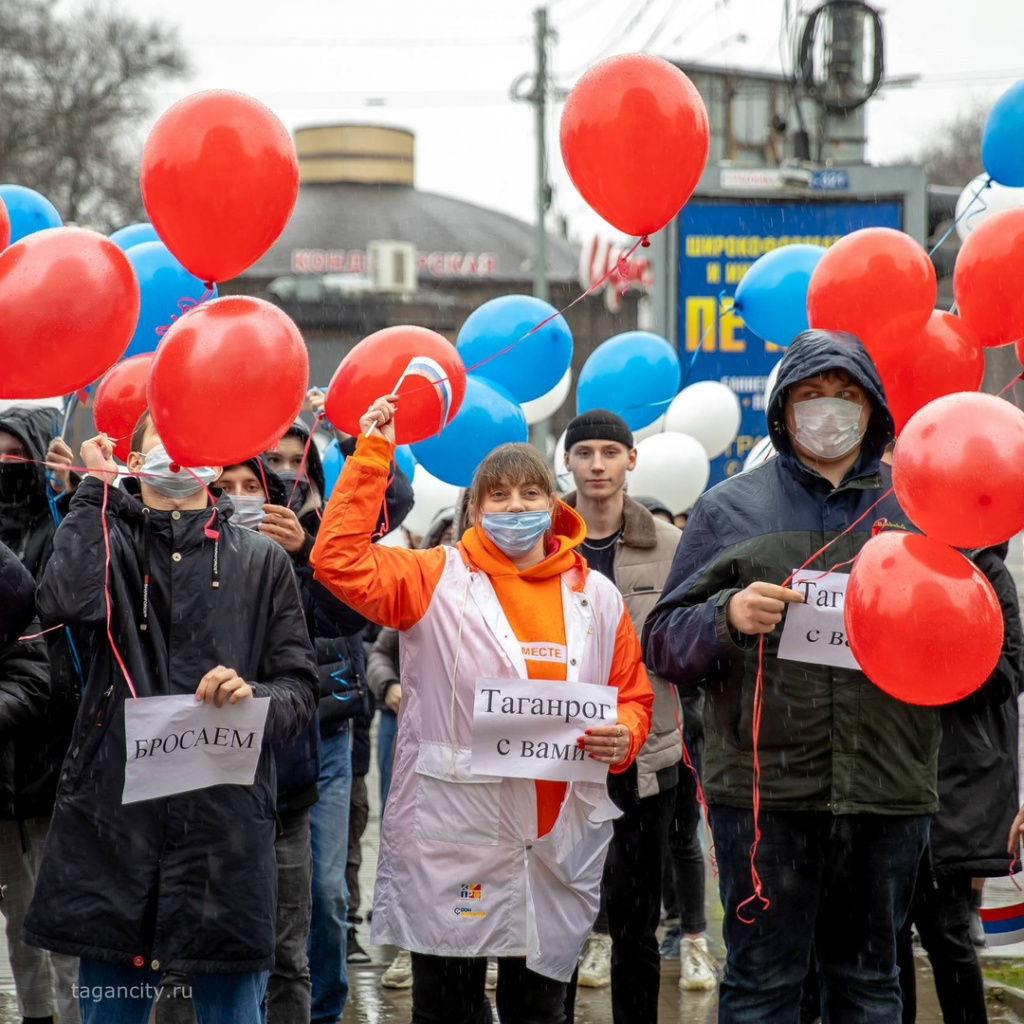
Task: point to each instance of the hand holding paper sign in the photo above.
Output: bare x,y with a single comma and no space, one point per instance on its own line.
758,608
222,684
606,743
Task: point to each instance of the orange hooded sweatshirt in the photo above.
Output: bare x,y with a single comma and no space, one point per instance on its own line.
393,586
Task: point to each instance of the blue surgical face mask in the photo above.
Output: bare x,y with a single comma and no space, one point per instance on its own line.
515,533
248,510
177,484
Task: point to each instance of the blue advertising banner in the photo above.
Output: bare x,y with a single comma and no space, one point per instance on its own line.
718,241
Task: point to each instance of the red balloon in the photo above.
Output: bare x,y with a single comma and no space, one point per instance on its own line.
876,283
922,621
5,227
947,357
957,470
68,306
227,380
634,137
988,279
375,366
219,178
120,399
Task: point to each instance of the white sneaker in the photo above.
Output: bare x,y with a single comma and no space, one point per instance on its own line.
492,976
596,962
399,974
696,966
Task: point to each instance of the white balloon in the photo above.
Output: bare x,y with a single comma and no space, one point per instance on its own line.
709,411
977,203
563,478
431,496
760,453
649,431
672,467
769,386
547,405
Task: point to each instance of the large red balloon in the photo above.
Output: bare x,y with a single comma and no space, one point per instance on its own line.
957,470
988,279
227,380
634,137
946,357
119,401
5,226
376,365
219,178
68,306
876,283
922,621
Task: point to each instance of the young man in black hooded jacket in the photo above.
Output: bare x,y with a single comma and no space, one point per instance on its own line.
178,601
847,773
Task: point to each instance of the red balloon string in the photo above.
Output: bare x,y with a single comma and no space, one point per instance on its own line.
701,800
106,589
36,636
755,878
185,304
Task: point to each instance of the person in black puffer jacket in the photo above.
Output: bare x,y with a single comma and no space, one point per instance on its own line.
978,787
179,602
344,716
30,508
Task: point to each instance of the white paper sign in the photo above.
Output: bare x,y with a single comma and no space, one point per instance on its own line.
814,631
528,728
177,744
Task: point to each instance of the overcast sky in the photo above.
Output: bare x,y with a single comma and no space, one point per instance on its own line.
443,68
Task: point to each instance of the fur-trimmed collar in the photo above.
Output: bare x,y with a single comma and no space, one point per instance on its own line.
638,527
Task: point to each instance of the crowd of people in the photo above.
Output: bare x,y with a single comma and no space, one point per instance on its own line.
842,819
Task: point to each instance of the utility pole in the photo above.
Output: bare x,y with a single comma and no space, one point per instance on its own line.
539,100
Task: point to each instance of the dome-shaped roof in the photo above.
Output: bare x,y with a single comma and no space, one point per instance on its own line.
333,223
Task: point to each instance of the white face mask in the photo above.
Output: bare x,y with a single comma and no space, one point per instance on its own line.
827,427
156,472
248,510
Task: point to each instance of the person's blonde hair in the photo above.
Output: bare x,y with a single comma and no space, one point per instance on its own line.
511,465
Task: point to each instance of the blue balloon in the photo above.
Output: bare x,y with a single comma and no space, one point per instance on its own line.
488,416
535,364
134,234
405,460
332,460
635,374
1002,152
772,295
166,290
28,211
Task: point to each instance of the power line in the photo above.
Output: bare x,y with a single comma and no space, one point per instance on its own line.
660,28
363,42
615,38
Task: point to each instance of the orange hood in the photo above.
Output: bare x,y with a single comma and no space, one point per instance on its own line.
567,532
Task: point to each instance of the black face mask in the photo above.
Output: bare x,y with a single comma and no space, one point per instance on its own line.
17,482
297,490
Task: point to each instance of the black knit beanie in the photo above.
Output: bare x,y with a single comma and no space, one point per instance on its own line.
598,425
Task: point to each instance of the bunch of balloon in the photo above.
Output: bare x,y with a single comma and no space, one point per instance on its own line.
488,416
219,178
501,340
120,400
635,374
674,468
634,139
167,291
27,211
772,295
422,365
875,283
540,409
134,234
69,302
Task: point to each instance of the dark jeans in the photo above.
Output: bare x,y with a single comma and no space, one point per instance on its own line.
840,885
942,912
288,989
450,990
358,815
684,868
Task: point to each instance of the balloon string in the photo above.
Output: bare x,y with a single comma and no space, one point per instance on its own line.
755,878
963,213
106,590
701,800
186,304
42,632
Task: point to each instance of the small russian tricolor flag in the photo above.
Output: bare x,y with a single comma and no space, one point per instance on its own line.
423,369
1003,925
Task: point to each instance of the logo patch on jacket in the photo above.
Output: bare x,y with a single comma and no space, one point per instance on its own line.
471,891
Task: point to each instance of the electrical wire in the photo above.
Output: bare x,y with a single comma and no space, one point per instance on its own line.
660,28
616,36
